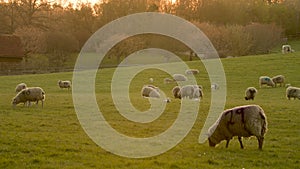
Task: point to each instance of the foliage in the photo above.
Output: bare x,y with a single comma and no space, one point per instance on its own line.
237,40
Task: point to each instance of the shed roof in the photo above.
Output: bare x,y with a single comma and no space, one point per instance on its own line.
11,49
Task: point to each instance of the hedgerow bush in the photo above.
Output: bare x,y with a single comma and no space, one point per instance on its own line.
238,40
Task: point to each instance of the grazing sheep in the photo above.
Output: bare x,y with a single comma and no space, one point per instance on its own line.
286,49
20,87
29,94
191,71
250,93
150,92
168,80
151,80
176,92
293,92
179,77
242,121
191,92
278,79
64,84
266,80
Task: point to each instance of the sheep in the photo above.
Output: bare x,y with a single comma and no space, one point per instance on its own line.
191,71
278,79
29,94
176,92
266,80
250,93
20,87
179,77
168,80
191,92
64,84
241,121
150,92
286,49
293,92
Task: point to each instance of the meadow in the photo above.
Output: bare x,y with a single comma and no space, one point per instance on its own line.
52,137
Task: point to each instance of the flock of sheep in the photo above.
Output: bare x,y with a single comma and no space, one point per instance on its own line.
27,95
241,121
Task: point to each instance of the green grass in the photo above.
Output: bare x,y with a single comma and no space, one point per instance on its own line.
52,137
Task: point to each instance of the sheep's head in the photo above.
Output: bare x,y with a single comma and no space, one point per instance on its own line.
211,144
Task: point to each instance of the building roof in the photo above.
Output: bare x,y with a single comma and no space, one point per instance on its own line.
11,49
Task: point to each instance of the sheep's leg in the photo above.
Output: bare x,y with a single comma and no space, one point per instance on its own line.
260,142
241,143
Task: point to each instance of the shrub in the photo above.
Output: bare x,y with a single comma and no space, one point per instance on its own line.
238,40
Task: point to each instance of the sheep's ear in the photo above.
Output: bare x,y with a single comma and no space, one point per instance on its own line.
28,92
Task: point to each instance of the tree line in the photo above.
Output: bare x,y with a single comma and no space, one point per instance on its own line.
47,27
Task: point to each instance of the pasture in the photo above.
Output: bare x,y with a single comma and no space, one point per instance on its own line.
52,137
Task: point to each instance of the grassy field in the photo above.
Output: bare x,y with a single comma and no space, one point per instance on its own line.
52,137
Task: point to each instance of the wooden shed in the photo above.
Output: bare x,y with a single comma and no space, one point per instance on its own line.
11,49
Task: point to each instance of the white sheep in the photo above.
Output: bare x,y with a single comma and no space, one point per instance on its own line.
191,71
64,84
293,92
278,79
150,92
266,80
250,93
191,92
179,77
286,49
151,80
242,121
168,80
29,94
20,87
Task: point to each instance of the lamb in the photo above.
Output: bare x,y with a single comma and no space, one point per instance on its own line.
150,92
293,92
64,84
250,93
29,94
278,79
242,121
179,77
20,87
191,71
266,80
